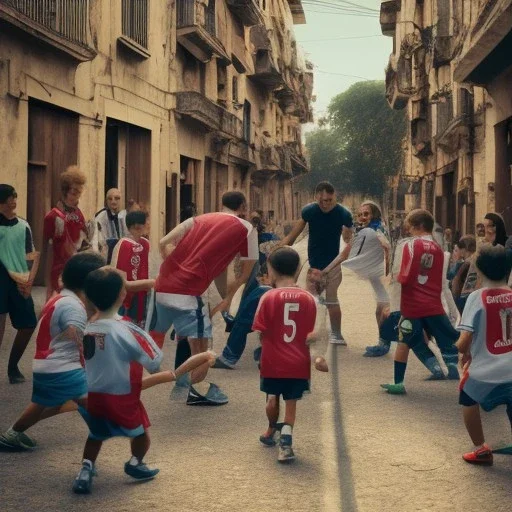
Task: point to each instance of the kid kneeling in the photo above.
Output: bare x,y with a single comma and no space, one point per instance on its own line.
486,347
286,319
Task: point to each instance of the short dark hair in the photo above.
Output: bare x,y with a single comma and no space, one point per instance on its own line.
421,218
103,286
233,200
467,242
78,267
137,217
6,191
285,261
324,186
493,262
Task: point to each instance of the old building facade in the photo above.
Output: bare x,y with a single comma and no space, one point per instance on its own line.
172,101
450,71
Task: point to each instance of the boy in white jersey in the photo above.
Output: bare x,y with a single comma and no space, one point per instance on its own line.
485,345
59,376
116,353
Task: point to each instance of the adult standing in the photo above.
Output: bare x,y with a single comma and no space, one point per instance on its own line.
327,221
195,253
65,229
18,266
110,225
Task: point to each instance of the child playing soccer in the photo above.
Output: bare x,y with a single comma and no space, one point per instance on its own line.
486,347
286,319
116,352
131,257
421,277
58,375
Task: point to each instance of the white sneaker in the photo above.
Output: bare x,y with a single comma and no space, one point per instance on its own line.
337,340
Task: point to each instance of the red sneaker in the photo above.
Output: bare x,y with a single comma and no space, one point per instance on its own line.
482,456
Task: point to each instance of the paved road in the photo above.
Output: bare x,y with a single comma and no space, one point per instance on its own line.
357,448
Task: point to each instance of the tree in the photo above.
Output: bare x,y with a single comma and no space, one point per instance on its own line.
360,142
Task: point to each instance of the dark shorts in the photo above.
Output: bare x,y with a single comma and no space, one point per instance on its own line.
437,326
20,309
500,395
291,389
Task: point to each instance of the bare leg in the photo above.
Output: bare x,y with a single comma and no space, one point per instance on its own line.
335,317
2,327
272,410
198,345
18,348
140,446
30,416
473,424
92,449
402,352
290,412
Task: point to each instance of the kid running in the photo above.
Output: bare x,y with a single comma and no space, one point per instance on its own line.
486,347
116,352
58,375
286,319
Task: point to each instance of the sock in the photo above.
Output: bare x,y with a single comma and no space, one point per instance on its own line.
286,430
87,462
134,461
400,372
11,431
336,333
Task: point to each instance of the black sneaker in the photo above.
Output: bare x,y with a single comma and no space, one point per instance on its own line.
15,377
219,363
214,396
83,482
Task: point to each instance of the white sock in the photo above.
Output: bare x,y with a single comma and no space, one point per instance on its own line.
87,462
11,431
134,461
286,430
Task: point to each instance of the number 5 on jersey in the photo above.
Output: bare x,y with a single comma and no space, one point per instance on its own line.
290,307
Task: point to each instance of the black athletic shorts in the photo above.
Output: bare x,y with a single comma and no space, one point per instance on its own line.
291,389
20,309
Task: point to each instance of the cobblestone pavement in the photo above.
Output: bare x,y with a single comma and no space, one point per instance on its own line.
357,448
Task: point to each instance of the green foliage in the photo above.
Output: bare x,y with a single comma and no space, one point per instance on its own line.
359,143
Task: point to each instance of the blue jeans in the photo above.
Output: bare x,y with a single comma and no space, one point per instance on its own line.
242,326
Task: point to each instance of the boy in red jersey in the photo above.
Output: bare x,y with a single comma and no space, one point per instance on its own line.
286,319
131,257
64,228
421,277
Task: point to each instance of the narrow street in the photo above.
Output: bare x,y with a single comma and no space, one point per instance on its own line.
357,448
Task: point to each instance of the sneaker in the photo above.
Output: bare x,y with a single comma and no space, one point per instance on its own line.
15,377
220,363
285,449
394,389
337,340
16,441
273,439
179,392
377,350
83,482
482,456
140,471
453,371
214,396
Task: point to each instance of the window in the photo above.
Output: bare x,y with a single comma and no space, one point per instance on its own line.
234,89
210,18
247,121
135,21
222,82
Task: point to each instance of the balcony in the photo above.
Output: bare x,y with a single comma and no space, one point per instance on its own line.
195,106
388,16
299,164
196,31
241,153
275,159
397,98
61,24
443,51
247,11
453,130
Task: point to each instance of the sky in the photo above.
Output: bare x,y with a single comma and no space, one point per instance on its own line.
359,55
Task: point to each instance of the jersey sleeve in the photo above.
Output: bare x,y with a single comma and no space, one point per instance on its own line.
260,323
49,226
471,312
142,348
70,314
405,275
251,250
114,262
